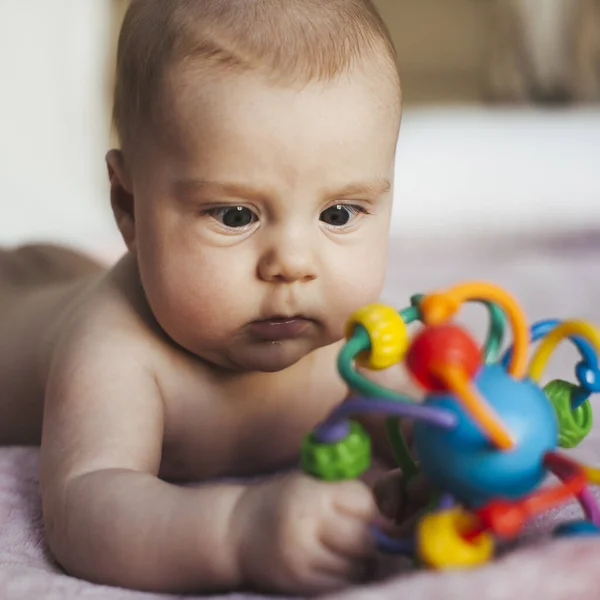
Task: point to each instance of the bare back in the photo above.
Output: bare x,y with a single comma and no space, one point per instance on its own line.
37,285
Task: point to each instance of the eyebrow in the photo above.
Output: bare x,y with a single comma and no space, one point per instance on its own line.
371,189
239,190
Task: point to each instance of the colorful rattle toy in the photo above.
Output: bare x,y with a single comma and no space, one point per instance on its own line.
486,434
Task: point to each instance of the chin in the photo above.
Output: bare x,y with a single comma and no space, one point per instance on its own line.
270,357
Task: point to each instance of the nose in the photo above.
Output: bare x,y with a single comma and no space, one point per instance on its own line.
289,258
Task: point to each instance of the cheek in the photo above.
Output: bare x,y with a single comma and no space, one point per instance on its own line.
369,261
367,277
359,277
192,289
210,285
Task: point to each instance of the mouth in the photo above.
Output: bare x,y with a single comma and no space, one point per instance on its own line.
278,328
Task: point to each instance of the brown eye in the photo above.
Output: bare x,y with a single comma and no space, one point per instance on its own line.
340,214
234,217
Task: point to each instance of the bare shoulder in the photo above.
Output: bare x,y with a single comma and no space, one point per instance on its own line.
105,343
103,406
110,317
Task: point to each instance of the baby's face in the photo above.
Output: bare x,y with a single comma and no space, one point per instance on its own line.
265,223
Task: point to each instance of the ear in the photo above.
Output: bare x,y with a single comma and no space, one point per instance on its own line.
121,197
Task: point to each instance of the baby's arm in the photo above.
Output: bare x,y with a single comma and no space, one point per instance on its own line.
109,518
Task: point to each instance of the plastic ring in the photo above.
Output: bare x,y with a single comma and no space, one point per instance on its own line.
576,528
573,425
441,545
387,334
347,458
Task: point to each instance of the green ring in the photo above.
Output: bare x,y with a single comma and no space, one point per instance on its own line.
347,458
573,425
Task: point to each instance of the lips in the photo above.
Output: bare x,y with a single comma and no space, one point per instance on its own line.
280,328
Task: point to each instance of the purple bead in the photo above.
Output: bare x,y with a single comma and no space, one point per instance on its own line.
330,433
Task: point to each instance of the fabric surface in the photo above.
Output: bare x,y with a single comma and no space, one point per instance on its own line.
551,278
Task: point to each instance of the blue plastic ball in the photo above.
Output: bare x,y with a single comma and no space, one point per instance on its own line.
463,462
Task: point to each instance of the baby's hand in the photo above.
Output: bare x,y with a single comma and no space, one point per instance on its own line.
401,506
299,535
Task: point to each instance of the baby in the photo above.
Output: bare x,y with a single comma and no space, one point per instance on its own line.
253,190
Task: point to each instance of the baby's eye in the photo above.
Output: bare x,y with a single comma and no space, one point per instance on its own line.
233,217
340,214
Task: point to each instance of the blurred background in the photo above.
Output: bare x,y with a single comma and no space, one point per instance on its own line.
501,132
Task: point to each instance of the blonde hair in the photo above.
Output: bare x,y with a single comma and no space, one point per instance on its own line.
299,39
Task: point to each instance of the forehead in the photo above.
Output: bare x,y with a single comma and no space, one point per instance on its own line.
249,114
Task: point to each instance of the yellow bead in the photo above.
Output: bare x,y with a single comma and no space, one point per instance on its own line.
387,332
440,544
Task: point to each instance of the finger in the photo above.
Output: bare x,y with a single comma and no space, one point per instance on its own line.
352,572
400,529
397,501
355,499
388,493
345,569
324,571
389,565
420,491
385,525
348,537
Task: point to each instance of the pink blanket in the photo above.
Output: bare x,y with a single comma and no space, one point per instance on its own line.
553,278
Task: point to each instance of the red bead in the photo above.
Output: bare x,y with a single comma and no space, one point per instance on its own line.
439,345
506,519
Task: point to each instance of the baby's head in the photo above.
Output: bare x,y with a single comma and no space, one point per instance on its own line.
254,182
